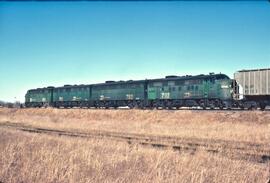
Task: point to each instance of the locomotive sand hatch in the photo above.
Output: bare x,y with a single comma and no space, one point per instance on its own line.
250,89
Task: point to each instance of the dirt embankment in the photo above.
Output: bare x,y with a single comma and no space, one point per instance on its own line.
251,126
153,116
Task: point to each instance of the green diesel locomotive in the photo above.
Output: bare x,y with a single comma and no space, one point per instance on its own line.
213,90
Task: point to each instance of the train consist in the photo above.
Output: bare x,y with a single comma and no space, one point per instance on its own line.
250,89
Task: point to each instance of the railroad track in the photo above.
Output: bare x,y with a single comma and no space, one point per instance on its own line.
233,149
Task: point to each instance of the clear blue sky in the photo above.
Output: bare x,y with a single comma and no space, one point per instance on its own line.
57,43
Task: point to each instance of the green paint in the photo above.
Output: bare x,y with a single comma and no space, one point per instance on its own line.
71,94
40,95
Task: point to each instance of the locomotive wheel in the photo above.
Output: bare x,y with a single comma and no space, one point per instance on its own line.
262,106
141,106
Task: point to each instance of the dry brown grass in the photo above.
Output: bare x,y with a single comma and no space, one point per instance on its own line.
41,158
248,126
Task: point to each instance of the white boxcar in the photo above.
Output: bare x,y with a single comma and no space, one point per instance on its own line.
254,82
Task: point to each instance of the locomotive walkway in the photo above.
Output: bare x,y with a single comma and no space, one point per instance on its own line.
232,149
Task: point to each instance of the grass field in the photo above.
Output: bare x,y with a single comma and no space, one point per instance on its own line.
28,157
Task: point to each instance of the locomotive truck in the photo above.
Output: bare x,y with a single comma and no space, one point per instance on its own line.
204,91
